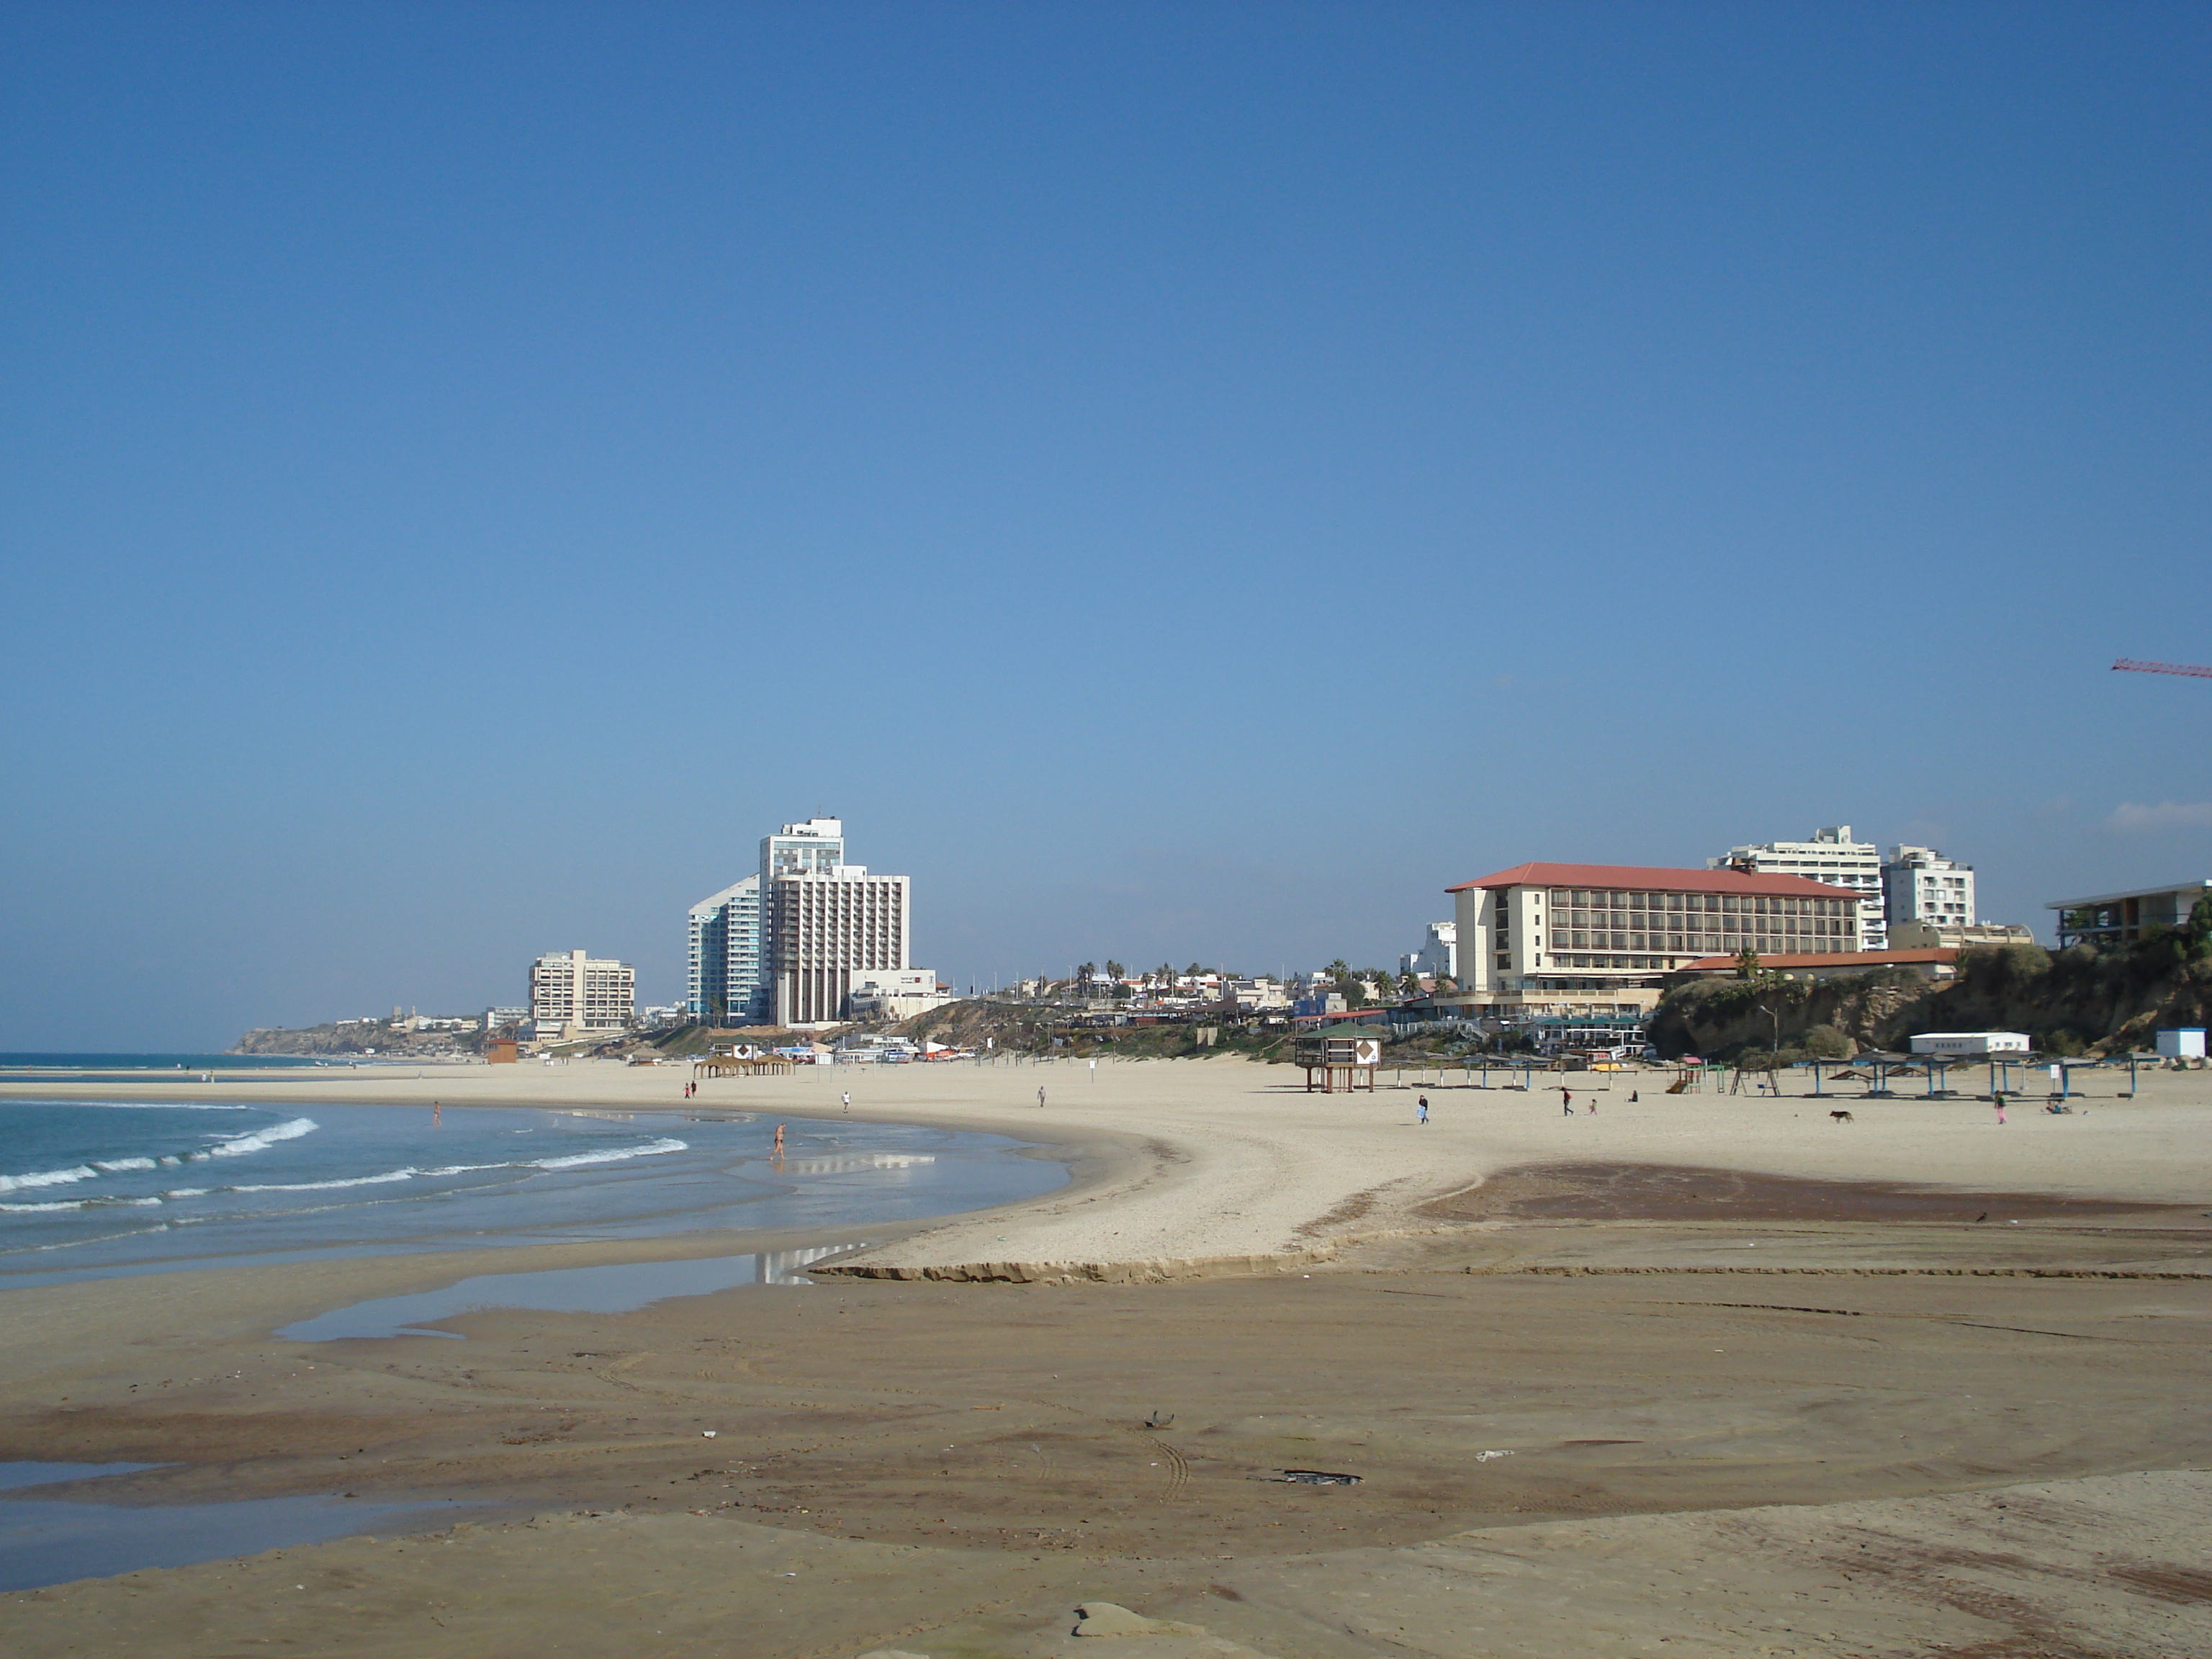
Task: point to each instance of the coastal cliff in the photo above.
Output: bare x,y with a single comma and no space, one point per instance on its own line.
2081,1000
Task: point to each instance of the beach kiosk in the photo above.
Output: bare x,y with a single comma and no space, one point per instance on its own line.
1339,1060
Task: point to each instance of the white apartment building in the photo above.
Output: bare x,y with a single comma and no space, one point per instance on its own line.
1568,935
828,928
727,978
573,992
1438,955
1833,857
1920,885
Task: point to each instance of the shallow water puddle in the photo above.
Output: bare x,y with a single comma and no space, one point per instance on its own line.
620,1288
52,1541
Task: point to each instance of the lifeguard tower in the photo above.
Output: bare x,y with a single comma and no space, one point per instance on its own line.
1334,1061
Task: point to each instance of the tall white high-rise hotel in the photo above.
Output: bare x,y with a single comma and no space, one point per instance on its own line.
787,945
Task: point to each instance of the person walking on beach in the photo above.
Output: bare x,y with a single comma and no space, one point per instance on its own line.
1591,1109
1040,1099
1424,1109
2000,1103
437,1113
779,1141
1567,1101
849,1100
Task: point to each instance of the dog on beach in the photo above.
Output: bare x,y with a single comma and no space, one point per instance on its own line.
1843,1117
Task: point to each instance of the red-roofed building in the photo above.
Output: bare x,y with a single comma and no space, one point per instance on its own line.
1932,962
1569,936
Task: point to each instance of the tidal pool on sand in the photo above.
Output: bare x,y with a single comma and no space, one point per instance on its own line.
52,1541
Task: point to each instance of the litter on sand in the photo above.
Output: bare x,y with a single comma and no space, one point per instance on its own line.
1317,1478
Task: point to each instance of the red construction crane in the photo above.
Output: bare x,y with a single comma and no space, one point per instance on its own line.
2163,668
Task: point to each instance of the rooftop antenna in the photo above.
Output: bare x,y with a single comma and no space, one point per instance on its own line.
2192,670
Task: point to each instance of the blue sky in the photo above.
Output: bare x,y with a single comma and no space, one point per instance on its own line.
1183,481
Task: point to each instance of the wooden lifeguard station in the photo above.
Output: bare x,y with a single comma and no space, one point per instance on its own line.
1339,1060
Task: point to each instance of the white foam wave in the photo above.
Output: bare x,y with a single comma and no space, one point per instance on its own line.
17,1183
577,1160
260,1140
36,1209
378,1180
325,1186
116,1166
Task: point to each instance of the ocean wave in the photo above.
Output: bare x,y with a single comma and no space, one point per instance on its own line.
17,1183
292,1131
260,1140
324,1186
254,1140
576,1160
385,1177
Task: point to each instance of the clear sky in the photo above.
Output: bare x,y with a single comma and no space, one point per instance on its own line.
1181,481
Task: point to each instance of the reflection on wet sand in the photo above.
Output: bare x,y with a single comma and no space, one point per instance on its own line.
618,1288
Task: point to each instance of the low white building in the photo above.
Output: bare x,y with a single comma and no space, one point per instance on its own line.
896,993
2182,1042
1438,957
1918,884
1928,935
1970,1045
1251,995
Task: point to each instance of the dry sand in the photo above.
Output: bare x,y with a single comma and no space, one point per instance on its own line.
1767,1384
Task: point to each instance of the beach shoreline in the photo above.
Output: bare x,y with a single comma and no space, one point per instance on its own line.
1226,1160
1579,1353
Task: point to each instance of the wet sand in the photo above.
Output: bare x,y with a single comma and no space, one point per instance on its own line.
1810,1410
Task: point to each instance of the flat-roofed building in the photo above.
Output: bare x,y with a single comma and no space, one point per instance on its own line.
828,929
1925,935
895,993
1919,883
1438,957
1561,936
1931,961
726,981
1833,857
572,991
2122,918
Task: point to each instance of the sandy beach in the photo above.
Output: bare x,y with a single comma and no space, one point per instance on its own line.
1687,1373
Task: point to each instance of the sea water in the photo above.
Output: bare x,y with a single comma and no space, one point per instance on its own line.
66,1534
96,1189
